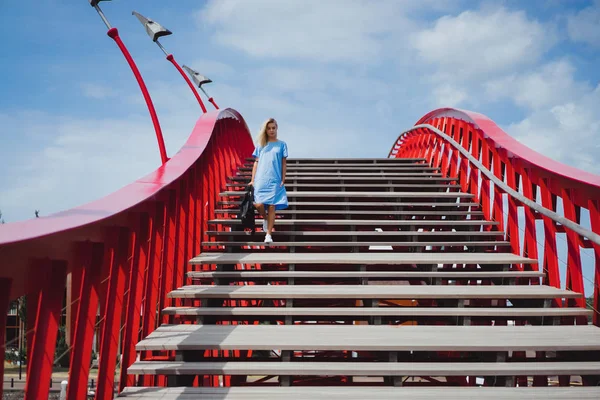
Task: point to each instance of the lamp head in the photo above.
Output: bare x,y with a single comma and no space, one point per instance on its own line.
198,79
94,3
153,29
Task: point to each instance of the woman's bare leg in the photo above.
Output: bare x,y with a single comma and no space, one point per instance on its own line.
271,219
261,209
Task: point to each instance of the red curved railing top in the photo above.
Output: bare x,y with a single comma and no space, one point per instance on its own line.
513,146
125,198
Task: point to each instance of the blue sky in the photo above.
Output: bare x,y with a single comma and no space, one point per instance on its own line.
342,77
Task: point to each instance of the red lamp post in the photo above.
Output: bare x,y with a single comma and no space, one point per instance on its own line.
155,31
200,80
113,33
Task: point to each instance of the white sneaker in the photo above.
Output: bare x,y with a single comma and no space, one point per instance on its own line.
265,227
268,239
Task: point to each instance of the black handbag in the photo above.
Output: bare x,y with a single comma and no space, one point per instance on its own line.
246,213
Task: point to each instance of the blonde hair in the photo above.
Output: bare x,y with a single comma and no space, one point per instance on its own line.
262,135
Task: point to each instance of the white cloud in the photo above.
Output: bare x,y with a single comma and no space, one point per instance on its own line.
567,132
475,44
97,91
584,26
323,31
447,95
552,84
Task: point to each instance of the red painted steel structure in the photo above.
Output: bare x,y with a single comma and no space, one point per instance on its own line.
537,177
113,33
127,250
187,80
213,102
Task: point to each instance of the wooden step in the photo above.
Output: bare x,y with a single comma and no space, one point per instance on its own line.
341,161
380,292
360,244
343,175
373,338
356,312
362,393
362,212
361,258
445,203
364,368
345,169
337,195
370,186
246,179
377,223
353,235
441,274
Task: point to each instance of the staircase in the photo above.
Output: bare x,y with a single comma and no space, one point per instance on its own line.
384,281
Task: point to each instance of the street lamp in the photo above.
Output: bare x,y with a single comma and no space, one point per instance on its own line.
200,80
155,31
113,33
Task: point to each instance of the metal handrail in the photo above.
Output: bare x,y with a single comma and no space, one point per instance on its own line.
586,233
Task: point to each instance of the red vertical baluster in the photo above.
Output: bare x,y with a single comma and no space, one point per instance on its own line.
151,294
72,304
39,368
5,284
574,277
512,229
498,211
530,249
166,282
112,317
137,271
462,161
551,269
89,260
594,208
473,175
485,183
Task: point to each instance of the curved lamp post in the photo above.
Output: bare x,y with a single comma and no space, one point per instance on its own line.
200,80
155,31
113,33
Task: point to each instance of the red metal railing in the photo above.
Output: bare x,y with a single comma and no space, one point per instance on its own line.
532,177
122,254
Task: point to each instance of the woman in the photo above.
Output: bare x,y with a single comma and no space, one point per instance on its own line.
268,175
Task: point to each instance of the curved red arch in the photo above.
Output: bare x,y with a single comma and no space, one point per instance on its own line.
127,197
513,146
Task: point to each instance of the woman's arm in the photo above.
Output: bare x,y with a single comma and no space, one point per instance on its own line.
283,170
253,172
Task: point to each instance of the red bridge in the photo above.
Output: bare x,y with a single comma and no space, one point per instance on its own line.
433,272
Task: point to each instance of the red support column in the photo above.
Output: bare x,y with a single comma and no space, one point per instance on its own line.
512,229
152,293
166,281
5,285
530,243
39,367
485,183
498,210
72,303
112,318
32,300
550,265
133,306
594,208
574,277
89,260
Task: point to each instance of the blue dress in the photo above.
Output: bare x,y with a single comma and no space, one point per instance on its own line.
267,181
